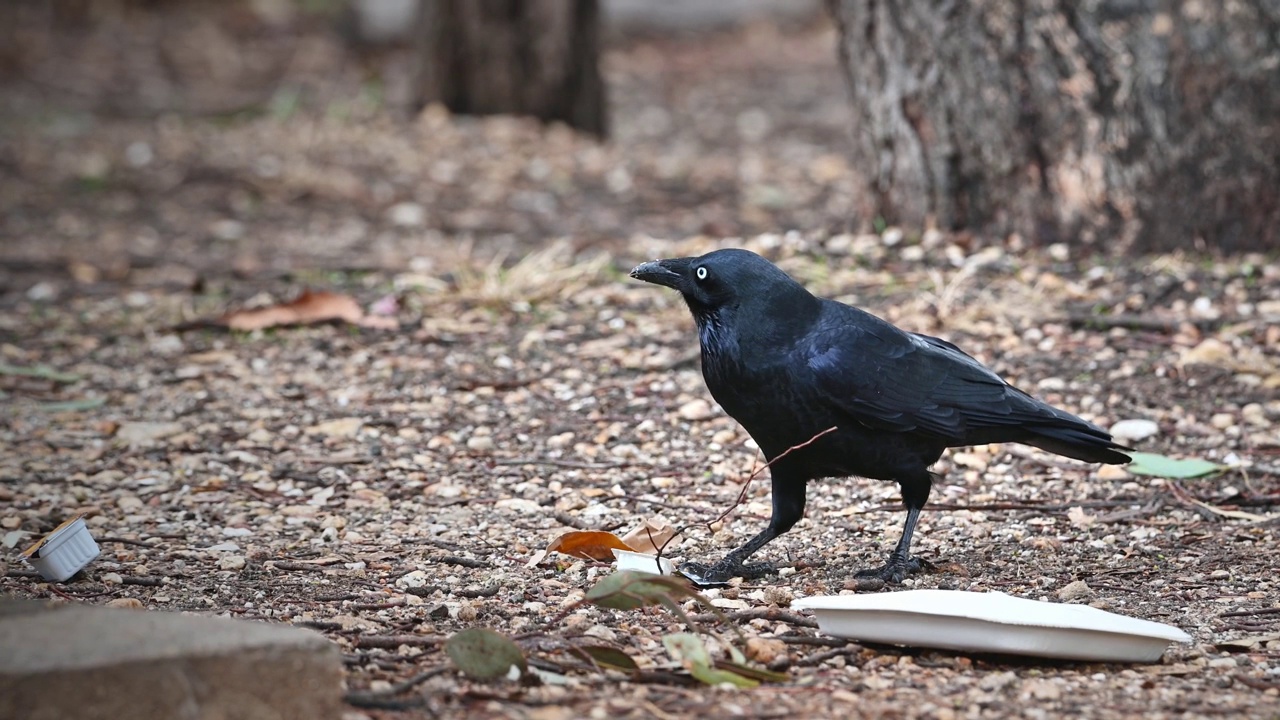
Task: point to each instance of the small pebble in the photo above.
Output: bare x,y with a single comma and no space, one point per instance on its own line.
695,410
1077,590
232,562
1134,430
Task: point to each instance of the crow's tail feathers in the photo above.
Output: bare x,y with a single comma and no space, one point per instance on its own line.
1079,440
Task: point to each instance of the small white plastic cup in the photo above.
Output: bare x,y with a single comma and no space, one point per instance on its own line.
641,562
63,552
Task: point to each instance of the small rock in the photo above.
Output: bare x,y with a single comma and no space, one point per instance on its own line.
43,291
111,578
467,612
236,532
135,434
341,427
1254,414
1112,473
129,502
232,562
1224,662
1222,421
407,214
1042,689
1209,352
414,579
1078,590
138,154
480,443
765,650
564,439
227,229
260,436
519,504
724,437
1135,430
695,410
224,547
778,595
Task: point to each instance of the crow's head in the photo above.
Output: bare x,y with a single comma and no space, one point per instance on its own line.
720,279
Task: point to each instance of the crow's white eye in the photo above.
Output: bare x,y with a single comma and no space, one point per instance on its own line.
701,273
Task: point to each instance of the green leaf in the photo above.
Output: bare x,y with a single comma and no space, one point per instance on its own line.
754,673
1173,468
73,405
484,654
689,650
629,590
43,372
606,656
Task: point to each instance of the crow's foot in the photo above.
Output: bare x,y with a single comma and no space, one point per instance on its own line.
894,571
722,572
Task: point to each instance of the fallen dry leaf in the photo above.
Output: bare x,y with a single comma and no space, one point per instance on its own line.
309,307
589,545
649,538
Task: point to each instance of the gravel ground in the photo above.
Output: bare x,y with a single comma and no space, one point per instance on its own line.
389,487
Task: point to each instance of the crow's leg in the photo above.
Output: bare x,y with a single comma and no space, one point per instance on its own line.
915,493
788,508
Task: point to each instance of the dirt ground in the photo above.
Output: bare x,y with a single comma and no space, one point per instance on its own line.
389,487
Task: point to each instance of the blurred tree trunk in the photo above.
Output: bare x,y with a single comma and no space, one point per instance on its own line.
1152,123
526,57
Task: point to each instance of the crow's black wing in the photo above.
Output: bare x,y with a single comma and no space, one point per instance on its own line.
892,380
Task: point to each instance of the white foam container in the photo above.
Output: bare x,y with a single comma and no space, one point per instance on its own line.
640,562
63,552
991,622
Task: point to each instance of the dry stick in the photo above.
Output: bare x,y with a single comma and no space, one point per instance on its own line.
1246,613
394,641
766,613
742,495
1137,322
1044,507
379,700
127,541
821,657
571,464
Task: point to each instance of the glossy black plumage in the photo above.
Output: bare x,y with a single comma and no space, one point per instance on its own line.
788,365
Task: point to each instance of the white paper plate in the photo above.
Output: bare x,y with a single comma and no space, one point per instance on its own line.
991,622
640,562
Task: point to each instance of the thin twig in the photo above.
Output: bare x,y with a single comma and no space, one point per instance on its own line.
394,641
742,494
380,699
769,613
126,541
1246,613
819,658
572,464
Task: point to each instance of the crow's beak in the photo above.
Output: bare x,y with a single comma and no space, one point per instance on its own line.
657,272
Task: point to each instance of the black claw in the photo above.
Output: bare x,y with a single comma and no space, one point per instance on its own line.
722,572
894,571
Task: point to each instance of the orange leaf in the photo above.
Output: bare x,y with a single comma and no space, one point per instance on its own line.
588,544
310,307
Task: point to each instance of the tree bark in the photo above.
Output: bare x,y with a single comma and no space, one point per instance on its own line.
525,57
1154,124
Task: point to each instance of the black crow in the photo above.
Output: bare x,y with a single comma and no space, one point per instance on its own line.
789,365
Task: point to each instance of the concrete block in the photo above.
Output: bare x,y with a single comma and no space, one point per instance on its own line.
77,662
